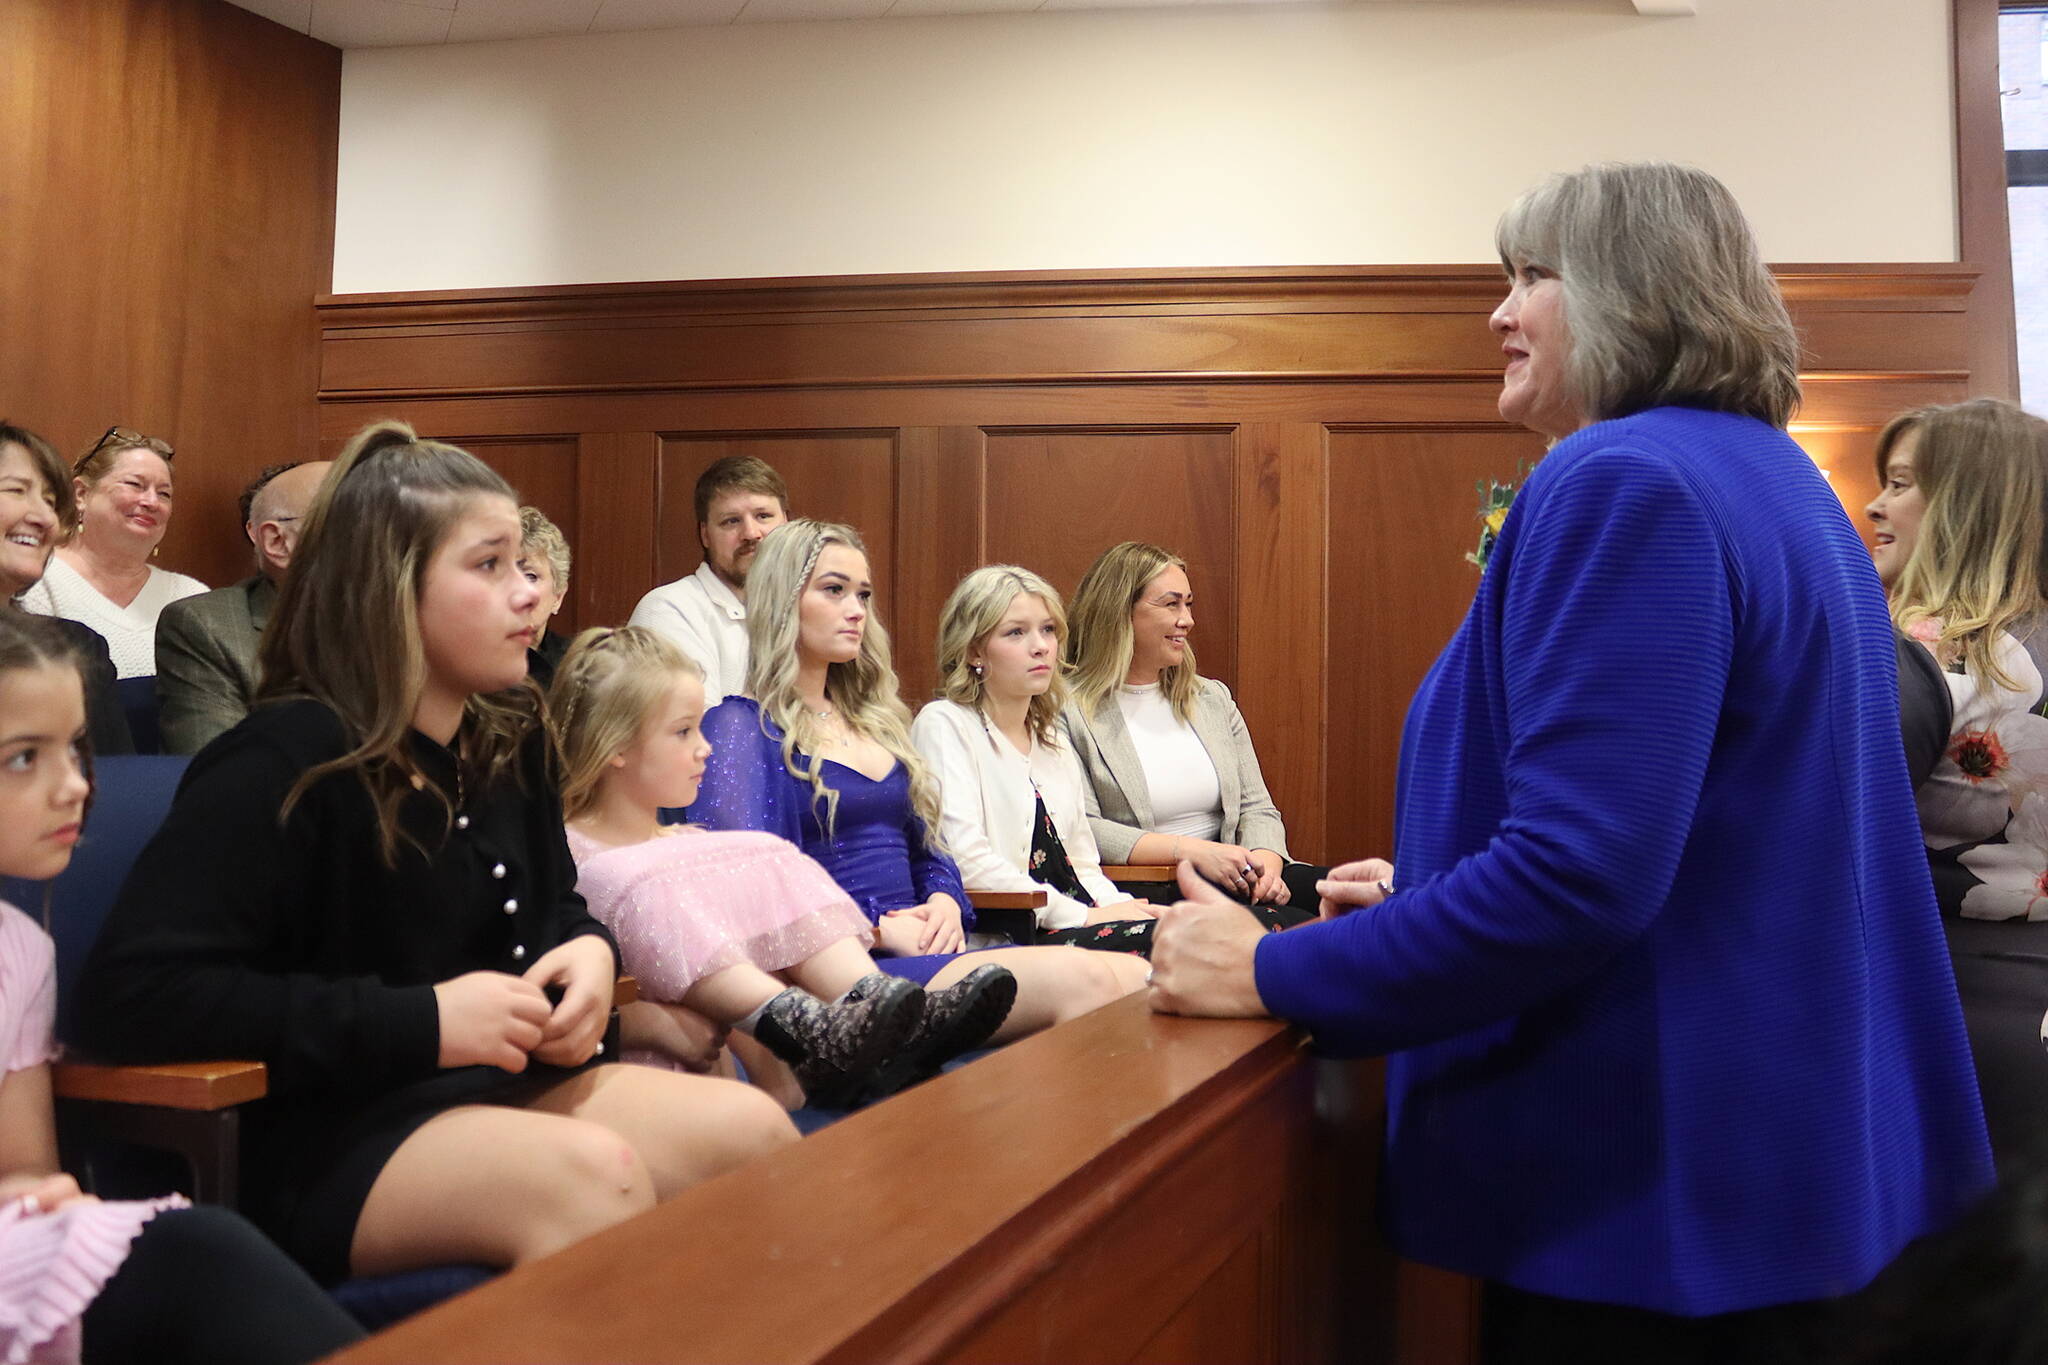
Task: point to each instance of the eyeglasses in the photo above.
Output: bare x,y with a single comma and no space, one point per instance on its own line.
122,438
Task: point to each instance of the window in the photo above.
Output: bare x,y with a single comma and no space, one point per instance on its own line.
2022,68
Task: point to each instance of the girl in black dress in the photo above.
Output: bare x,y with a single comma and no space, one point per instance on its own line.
365,884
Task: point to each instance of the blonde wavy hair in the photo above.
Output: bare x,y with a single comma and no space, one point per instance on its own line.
1099,645
863,690
977,606
1980,561
346,627
609,682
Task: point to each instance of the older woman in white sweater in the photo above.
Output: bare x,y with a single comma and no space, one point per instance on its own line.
1013,809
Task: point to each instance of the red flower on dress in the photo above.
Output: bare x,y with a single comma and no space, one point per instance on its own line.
1979,755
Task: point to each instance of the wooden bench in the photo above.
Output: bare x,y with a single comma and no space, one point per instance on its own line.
1126,1187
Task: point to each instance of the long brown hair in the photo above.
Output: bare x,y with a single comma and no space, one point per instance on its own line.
346,630
1100,641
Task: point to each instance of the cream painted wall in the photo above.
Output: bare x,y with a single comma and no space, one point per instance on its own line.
1377,134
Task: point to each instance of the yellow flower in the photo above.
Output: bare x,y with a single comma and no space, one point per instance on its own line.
1496,519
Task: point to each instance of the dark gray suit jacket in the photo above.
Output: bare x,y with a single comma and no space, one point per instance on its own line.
206,661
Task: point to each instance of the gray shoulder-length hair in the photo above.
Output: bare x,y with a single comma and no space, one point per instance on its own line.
1666,297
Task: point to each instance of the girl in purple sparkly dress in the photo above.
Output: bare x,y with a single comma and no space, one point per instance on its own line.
152,1280
722,924
819,752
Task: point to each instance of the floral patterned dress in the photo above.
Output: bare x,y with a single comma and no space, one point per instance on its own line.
1984,816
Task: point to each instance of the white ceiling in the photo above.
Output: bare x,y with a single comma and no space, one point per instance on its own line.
404,23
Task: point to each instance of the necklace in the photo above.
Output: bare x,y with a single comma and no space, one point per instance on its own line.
836,736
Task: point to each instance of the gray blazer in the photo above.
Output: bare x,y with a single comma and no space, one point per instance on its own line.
1120,805
206,662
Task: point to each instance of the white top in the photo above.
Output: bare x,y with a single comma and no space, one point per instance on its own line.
1958,807
1187,798
987,808
131,630
708,623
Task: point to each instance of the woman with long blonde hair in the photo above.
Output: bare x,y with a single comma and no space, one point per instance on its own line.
365,885
819,752
1172,775
736,926
1012,810
1961,531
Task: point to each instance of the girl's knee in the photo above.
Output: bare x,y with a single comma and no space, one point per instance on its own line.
734,1124
1127,973
759,1123
596,1174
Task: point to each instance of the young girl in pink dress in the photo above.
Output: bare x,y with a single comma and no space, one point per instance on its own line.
706,921
153,1280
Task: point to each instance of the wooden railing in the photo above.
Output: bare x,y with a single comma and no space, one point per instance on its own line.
1126,1187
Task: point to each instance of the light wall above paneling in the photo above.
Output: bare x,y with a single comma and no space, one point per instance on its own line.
409,23
1134,138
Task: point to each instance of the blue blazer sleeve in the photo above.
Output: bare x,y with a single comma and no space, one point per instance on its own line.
745,785
1614,567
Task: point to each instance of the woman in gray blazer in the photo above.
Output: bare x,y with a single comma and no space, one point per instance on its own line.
1172,776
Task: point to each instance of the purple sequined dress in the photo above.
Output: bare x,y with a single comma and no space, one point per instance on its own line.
876,849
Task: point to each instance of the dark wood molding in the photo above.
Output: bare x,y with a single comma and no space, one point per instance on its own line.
1983,233
1350,325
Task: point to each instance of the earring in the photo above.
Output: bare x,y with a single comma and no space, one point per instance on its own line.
975,669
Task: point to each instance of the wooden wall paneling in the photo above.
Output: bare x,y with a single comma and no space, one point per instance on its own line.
1283,531
920,332
1455,401
1844,453
1398,588
1062,496
843,476
941,522
543,472
615,533
169,173
1983,228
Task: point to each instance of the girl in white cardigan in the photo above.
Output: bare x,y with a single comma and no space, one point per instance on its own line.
1013,814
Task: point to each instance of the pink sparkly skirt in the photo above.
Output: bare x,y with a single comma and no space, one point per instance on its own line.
696,902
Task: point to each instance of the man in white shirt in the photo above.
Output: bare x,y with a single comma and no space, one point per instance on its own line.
739,501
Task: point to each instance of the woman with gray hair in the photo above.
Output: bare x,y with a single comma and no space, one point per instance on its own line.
1675,1039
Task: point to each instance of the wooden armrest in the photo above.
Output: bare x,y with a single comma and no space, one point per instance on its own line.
173,1085
625,991
1138,872
1006,900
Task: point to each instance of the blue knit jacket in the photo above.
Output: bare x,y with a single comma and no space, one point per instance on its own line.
1672,1018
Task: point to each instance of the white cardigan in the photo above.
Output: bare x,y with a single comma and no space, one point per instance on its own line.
987,807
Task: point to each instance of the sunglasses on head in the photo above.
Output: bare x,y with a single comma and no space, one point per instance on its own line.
121,438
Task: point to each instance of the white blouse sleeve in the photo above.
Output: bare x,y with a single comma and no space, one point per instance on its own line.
960,760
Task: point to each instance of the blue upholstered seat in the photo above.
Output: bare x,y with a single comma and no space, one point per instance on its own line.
130,796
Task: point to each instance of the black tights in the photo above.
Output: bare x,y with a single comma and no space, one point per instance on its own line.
202,1284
